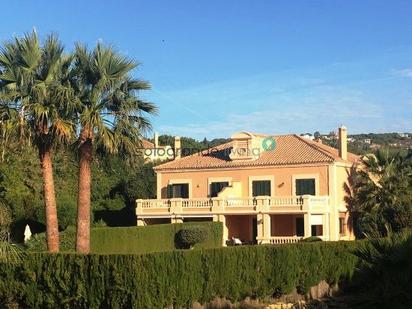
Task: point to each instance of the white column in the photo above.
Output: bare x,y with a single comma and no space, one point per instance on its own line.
263,228
260,229
325,225
158,185
140,222
307,225
177,220
333,204
176,210
266,227
222,218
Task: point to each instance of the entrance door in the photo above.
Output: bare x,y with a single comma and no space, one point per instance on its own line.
300,227
254,230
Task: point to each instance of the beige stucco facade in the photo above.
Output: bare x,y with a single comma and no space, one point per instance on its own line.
282,179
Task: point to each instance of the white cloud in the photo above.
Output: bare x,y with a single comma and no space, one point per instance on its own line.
403,72
280,103
324,111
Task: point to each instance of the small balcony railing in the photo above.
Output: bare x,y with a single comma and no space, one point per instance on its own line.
275,240
197,203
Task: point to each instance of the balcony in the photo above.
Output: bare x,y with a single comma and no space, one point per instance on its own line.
213,206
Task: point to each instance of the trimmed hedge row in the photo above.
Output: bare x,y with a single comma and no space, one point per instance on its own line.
177,277
134,240
151,238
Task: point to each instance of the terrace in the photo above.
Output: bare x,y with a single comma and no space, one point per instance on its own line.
255,219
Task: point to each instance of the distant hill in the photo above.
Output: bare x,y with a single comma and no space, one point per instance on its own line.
190,145
365,143
357,143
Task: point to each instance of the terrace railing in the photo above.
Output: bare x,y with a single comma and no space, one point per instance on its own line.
262,204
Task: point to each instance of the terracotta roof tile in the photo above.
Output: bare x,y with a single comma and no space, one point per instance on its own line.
290,150
147,145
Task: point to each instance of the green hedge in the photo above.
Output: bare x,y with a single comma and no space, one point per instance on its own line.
161,279
151,238
133,240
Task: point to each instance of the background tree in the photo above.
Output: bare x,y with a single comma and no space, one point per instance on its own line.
8,128
190,145
111,118
34,82
381,193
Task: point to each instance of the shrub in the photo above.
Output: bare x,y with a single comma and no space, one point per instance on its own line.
311,239
175,278
385,277
67,239
187,238
9,253
151,238
100,223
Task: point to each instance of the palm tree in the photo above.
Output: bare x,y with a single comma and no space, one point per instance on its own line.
380,190
384,278
34,80
111,117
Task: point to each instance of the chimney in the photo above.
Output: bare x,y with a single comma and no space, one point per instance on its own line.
156,140
343,143
178,148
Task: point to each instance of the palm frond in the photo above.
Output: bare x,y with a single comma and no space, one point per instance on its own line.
109,98
34,79
10,253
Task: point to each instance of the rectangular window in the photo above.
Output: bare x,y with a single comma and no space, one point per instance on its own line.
305,186
217,187
261,188
317,230
178,190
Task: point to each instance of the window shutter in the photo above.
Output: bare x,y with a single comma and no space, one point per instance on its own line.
169,191
216,187
266,188
255,188
261,188
184,190
305,186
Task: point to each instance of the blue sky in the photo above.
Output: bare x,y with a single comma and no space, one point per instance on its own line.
267,66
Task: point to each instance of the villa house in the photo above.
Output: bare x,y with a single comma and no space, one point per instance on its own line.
264,189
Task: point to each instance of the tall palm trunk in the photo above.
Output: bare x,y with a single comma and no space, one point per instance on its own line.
52,227
83,201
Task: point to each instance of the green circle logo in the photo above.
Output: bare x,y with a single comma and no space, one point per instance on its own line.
269,144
